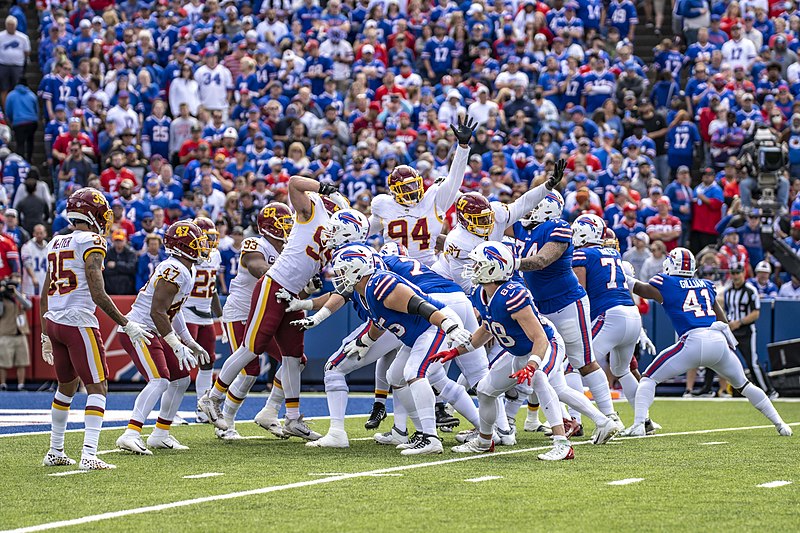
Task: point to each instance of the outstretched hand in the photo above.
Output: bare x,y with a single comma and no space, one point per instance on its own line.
466,127
557,175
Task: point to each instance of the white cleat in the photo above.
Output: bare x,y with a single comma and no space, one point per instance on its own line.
133,444
179,421
505,439
57,459
532,424
92,462
784,430
212,408
425,445
636,430
605,432
334,439
466,435
228,434
562,450
410,443
392,437
200,417
617,421
167,442
299,428
268,419
473,446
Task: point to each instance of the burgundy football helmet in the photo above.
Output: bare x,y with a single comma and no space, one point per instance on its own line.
406,185
90,206
185,239
475,214
275,220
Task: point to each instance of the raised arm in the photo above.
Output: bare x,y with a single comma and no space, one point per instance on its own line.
525,203
298,187
545,257
448,190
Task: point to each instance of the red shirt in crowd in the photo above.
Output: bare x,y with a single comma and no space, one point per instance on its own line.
9,254
657,224
730,256
110,178
62,141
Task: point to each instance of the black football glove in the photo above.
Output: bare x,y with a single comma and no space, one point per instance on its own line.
557,175
466,127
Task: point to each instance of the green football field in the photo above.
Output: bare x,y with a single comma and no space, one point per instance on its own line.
701,473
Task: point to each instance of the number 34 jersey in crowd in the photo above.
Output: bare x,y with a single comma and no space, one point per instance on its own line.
688,302
169,271
198,306
69,301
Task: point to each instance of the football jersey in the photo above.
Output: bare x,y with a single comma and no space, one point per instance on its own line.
555,286
509,298
172,271
240,293
69,301
197,309
303,255
415,227
406,327
35,257
688,302
605,278
423,277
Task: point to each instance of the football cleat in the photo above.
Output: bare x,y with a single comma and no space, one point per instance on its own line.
133,444
425,445
561,451
333,439
212,408
605,431
393,437
167,442
505,439
377,416
473,446
617,421
773,395
410,443
92,462
466,435
445,419
636,430
687,394
227,434
650,427
268,419
784,430
57,459
179,421
533,424
200,417
299,428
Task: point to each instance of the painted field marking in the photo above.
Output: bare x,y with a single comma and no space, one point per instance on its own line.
713,443
67,473
324,474
774,484
104,452
483,478
331,479
627,481
201,476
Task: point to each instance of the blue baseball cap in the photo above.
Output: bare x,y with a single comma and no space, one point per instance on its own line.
148,214
174,204
577,109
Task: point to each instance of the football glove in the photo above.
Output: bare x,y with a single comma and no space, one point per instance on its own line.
645,344
198,351
445,356
465,129
224,336
456,334
136,332
47,350
359,346
186,360
524,375
293,304
557,175
314,285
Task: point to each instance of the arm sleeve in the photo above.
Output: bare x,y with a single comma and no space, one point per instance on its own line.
179,325
525,203
375,225
448,190
579,259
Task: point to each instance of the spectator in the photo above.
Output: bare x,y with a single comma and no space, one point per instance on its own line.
32,204
790,290
707,212
765,287
22,111
664,227
639,251
149,260
13,229
14,334
34,262
120,265
14,50
655,263
75,168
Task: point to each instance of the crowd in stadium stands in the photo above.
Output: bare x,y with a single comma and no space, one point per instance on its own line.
175,108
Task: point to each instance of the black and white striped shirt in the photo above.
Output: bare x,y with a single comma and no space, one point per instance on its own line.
741,302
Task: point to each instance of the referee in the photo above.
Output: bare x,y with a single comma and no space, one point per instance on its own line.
742,306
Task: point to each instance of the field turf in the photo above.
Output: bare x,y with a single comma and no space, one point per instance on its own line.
701,480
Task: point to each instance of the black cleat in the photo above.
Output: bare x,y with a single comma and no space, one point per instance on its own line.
377,416
445,419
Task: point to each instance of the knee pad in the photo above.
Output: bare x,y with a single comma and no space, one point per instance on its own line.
182,383
512,395
539,379
394,375
484,388
335,381
159,384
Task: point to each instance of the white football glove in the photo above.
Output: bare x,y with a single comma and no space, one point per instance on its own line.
359,346
137,332
456,335
312,321
186,360
294,304
198,351
645,344
47,350
224,336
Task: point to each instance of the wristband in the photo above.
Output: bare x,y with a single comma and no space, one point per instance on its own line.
448,324
469,347
535,359
173,341
322,314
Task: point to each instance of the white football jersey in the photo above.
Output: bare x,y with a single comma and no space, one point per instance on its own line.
240,294
69,301
416,227
170,271
303,255
35,257
197,309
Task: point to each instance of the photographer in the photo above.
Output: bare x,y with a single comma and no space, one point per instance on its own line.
14,333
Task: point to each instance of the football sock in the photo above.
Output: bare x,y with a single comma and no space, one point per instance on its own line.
645,395
629,386
93,421
170,402
547,399
291,386
487,408
512,407
236,394
144,403
203,381
233,365
457,396
59,413
381,383
598,384
761,401
405,402
336,395
574,380
501,420
579,402
424,401
533,408
276,395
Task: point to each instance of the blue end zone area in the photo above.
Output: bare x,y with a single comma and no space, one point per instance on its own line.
30,412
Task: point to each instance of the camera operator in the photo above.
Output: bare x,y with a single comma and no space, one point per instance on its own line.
765,156
14,332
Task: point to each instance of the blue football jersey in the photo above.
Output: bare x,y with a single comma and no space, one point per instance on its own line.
408,328
555,286
360,307
605,278
689,302
509,298
420,275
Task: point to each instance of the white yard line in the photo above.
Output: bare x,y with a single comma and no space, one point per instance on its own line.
67,473
484,478
104,452
774,484
324,480
713,443
627,481
204,475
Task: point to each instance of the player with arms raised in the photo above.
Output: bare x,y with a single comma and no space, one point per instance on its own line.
73,288
166,363
705,338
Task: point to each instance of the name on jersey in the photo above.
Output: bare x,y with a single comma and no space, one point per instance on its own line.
60,244
692,284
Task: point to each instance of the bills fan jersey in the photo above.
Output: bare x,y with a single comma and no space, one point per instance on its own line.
688,302
69,301
240,293
197,309
169,271
303,255
415,227
605,278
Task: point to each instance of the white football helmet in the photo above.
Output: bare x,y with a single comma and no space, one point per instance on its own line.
588,229
350,265
680,262
492,262
345,226
548,209
394,248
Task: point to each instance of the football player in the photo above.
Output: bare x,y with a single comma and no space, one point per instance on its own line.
202,301
274,223
166,363
302,258
73,288
421,323
705,339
